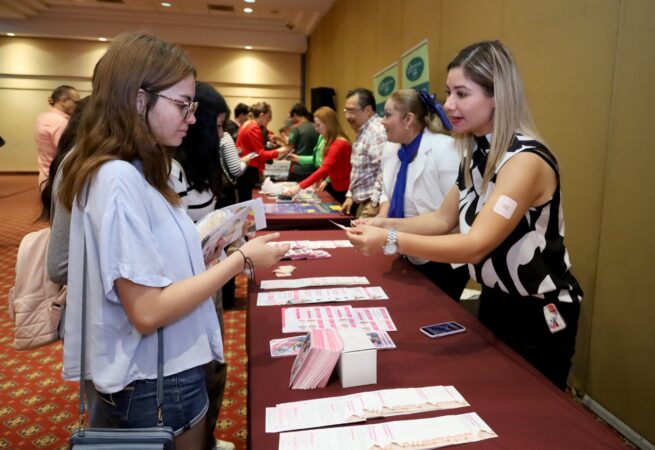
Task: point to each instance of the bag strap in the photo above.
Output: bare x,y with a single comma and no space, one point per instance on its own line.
226,172
160,350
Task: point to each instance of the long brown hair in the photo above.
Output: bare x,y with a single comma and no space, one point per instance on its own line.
334,130
111,127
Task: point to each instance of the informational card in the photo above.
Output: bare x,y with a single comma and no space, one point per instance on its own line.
325,295
291,346
313,281
314,245
417,434
374,319
298,320
360,407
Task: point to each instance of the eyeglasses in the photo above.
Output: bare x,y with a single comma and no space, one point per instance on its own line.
351,110
186,107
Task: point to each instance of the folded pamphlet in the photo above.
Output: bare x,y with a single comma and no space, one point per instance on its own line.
227,225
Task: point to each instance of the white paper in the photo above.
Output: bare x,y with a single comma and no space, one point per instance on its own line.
343,294
416,434
358,407
313,281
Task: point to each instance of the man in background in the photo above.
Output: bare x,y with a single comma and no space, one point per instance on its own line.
240,116
302,140
366,158
51,124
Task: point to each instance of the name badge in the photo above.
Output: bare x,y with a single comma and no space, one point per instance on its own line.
554,319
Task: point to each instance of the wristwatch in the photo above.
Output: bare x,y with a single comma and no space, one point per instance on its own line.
391,246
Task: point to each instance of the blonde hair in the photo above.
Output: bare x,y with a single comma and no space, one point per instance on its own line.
334,130
407,100
490,65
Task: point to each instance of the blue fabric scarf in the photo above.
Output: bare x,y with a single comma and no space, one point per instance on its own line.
406,155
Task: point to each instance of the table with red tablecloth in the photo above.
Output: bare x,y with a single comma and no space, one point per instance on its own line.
305,216
517,402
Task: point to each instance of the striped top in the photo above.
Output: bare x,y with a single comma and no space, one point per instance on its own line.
532,260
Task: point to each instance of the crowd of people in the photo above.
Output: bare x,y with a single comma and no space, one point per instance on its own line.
464,189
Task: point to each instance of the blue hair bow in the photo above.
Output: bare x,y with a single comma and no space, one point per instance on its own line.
432,104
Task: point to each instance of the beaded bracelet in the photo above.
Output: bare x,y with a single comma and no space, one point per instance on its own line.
248,266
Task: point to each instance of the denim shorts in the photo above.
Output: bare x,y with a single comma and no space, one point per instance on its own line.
185,402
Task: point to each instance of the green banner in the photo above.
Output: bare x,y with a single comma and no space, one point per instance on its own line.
385,82
416,68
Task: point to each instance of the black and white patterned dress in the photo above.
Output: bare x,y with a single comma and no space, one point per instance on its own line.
532,260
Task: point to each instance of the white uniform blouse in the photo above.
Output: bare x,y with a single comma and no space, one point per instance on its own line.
430,176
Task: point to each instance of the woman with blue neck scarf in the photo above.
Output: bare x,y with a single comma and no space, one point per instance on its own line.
418,173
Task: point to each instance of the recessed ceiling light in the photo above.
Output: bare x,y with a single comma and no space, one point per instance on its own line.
102,39
249,1
248,47
11,34
166,4
247,10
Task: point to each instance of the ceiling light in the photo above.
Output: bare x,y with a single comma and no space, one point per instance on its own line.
248,47
249,1
166,4
11,34
102,39
247,10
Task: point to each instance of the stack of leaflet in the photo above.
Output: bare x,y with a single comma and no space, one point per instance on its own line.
316,361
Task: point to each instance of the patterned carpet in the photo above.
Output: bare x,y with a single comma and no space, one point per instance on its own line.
37,408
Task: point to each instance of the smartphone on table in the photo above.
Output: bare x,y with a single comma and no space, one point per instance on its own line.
438,330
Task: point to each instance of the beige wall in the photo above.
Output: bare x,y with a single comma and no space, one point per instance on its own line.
588,68
31,68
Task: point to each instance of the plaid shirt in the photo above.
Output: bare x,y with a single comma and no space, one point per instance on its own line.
366,162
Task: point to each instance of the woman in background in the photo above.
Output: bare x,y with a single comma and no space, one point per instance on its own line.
418,171
507,204
252,139
336,156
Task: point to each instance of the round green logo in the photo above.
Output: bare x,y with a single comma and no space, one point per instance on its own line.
415,69
386,87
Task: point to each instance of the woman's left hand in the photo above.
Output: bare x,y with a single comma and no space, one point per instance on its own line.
367,240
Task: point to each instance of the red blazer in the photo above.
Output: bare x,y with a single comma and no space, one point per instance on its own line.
250,139
336,165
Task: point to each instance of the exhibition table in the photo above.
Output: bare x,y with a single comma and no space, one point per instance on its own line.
517,402
305,216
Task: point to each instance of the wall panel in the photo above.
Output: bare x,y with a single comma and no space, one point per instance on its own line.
31,68
622,354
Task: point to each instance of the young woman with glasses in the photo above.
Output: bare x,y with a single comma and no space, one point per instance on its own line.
135,250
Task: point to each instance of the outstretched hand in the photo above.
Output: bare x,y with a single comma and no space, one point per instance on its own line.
261,254
379,222
366,239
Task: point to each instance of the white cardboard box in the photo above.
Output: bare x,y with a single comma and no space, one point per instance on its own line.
358,362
